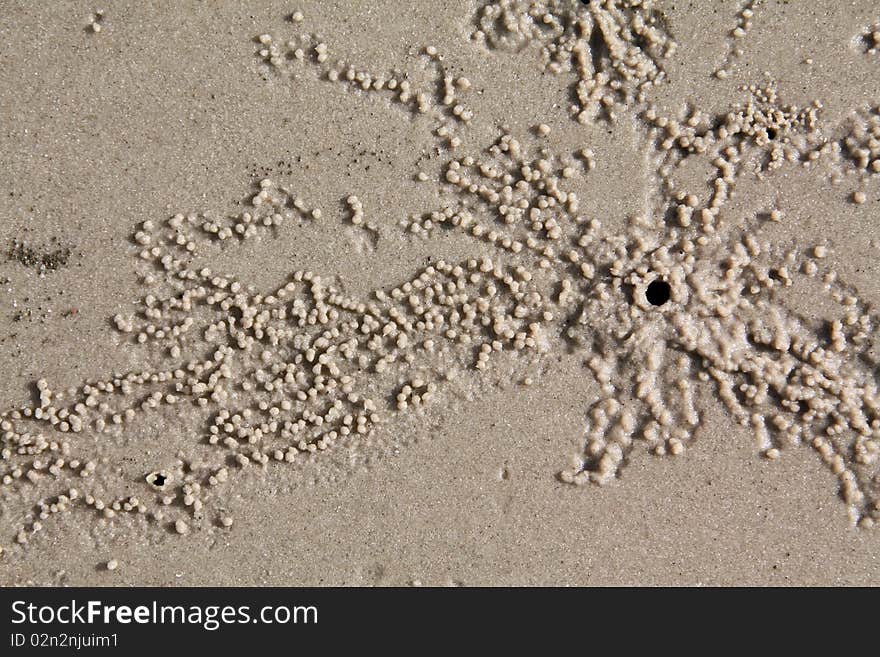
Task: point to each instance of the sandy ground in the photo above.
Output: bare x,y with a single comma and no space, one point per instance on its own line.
165,112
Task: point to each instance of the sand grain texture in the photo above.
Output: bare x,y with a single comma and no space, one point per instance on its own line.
462,473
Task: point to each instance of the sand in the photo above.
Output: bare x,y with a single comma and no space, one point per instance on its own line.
169,112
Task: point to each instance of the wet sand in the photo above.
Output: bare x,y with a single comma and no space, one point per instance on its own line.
179,112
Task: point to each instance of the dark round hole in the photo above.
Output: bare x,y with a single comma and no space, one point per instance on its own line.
658,292
771,133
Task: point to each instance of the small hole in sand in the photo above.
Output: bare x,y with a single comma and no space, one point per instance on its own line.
157,479
658,292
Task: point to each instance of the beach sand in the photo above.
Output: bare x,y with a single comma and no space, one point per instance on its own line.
177,111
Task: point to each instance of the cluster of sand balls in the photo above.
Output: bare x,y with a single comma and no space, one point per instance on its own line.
772,369
756,139
716,327
860,146
616,48
282,373
657,311
760,136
